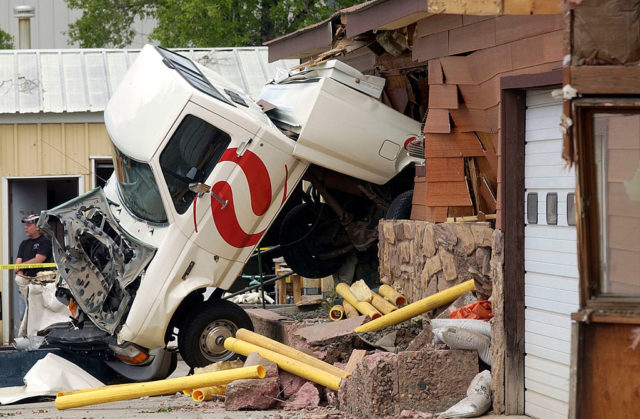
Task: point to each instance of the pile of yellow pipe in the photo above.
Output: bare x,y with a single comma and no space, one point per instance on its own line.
155,388
426,304
285,363
392,295
363,307
336,313
272,345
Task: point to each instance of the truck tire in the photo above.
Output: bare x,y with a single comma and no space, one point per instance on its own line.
202,332
308,231
400,208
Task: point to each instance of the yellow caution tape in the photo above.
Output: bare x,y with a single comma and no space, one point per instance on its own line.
28,266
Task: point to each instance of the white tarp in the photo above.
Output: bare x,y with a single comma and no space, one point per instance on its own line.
47,377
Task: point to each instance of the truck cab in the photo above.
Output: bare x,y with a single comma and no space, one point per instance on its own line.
201,174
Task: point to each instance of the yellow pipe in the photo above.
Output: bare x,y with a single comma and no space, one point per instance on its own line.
349,310
207,393
383,306
271,345
419,307
156,388
366,308
336,313
392,295
86,390
363,307
291,365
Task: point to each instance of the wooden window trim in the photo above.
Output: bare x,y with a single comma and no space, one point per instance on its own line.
588,219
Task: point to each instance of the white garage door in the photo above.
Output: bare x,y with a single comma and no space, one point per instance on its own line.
551,272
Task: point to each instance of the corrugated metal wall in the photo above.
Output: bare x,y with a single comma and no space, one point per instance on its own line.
52,20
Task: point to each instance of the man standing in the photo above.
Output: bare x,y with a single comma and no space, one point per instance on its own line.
35,249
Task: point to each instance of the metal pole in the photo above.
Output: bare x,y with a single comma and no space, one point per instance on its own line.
261,277
267,282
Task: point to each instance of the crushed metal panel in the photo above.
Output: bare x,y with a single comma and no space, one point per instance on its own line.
100,263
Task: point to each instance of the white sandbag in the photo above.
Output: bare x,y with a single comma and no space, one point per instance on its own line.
479,326
477,402
458,338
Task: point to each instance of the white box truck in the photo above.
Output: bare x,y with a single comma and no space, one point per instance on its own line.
201,174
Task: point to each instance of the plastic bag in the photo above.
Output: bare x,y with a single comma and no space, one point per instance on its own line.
458,338
480,310
477,402
478,326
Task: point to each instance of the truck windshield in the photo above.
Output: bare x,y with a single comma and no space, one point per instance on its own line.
138,188
190,156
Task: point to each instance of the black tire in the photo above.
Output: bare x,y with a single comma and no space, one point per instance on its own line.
309,231
201,335
400,208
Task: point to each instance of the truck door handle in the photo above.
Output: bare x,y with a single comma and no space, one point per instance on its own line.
243,147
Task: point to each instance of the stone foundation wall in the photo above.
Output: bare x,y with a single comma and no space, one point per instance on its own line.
419,258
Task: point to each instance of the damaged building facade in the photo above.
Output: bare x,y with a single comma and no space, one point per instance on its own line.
480,76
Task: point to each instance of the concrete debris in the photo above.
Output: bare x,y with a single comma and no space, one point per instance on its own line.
385,384
290,383
307,397
252,394
424,340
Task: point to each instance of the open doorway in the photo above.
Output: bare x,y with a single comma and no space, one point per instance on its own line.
21,197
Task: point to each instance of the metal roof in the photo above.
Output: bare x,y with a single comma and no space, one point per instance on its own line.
82,80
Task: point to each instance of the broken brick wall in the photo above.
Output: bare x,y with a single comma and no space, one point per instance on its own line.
464,58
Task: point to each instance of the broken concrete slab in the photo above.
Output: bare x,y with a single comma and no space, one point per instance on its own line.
324,333
307,397
267,323
385,384
252,394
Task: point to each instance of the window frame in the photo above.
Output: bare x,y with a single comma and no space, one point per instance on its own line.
589,213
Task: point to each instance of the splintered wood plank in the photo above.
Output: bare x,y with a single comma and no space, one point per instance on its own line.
449,194
488,142
456,70
469,144
481,96
531,7
488,196
437,121
465,119
357,355
441,145
438,23
435,72
487,170
537,50
606,79
472,37
445,169
431,46
513,28
466,7
443,96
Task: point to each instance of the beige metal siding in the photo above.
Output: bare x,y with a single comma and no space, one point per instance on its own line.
50,150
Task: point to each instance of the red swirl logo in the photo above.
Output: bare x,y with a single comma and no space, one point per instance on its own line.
259,182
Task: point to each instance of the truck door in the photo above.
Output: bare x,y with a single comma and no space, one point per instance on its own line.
249,180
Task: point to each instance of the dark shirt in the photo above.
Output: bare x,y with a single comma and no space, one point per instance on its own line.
30,248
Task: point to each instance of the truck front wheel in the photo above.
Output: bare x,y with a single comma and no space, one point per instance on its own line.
203,331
